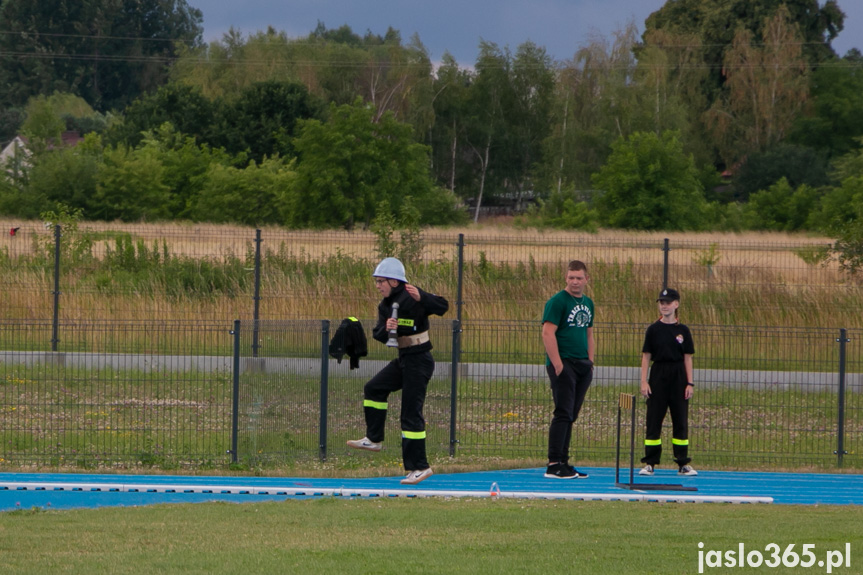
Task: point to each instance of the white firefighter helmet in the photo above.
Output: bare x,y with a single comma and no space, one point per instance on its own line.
391,268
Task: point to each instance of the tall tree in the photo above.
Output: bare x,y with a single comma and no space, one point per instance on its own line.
262,121
447,134
650,183
533,90
350,164
833,120
716,23
767,87
490,98
183,106
106,51
593,106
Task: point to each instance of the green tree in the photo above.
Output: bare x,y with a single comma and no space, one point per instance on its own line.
717,22
255,195
668,85
592,108
797,164
184,107
351,163
839,208
107,51
562,210
766,88
489,100
262,121
650,183
833,119
43,126
842,212
447,137
131,187
64,176
11,120
842,204
780,207
185,167
533,80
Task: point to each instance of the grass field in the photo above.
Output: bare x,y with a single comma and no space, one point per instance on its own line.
434,535
184,271
169,421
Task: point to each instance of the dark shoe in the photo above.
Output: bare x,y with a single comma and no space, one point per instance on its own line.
563,471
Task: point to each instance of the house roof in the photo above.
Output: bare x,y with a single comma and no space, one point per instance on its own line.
19,144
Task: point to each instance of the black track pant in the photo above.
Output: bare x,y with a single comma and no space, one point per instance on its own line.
667,388
409,373
568,391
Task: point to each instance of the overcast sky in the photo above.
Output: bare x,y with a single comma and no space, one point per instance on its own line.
457,26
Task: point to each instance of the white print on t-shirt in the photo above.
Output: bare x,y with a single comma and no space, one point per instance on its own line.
579,316
679,338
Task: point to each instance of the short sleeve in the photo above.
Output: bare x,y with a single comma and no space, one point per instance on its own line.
552,312
688,344
647,347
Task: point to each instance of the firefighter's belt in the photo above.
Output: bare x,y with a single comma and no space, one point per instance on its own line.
412,340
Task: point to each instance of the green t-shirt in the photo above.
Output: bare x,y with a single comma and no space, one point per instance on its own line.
572,316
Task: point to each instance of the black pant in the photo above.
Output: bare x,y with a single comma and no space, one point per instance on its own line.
568,391
409,373
667,388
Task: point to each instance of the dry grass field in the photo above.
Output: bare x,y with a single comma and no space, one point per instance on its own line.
751,278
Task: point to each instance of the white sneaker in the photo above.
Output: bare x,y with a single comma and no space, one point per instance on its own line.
415,477
687,470
364,443
646,470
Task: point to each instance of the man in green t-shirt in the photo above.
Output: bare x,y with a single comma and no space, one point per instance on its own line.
567,333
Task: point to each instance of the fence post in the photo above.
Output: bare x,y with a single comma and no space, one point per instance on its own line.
840,431
325,374
55,326
453,402
235,395
665,250
257,298
458,301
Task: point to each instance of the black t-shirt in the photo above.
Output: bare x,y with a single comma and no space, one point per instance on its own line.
667,342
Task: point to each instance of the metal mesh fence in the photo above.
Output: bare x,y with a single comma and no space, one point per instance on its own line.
174,394
150,394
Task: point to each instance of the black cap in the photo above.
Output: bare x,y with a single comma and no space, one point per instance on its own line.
668,294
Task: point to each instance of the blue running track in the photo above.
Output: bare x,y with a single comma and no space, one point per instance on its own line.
69,491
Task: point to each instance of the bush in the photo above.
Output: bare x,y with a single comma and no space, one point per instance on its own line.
563,211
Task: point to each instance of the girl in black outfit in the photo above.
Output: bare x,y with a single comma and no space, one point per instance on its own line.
668,343
410,372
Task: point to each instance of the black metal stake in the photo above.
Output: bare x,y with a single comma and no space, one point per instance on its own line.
453,402
235,396
55,328
325,374
665,250
257,297
458,302
840,431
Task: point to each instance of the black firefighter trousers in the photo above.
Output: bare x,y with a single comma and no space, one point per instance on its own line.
409,373
667,388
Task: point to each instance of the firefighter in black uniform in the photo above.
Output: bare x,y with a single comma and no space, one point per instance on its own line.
668,343
410,372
